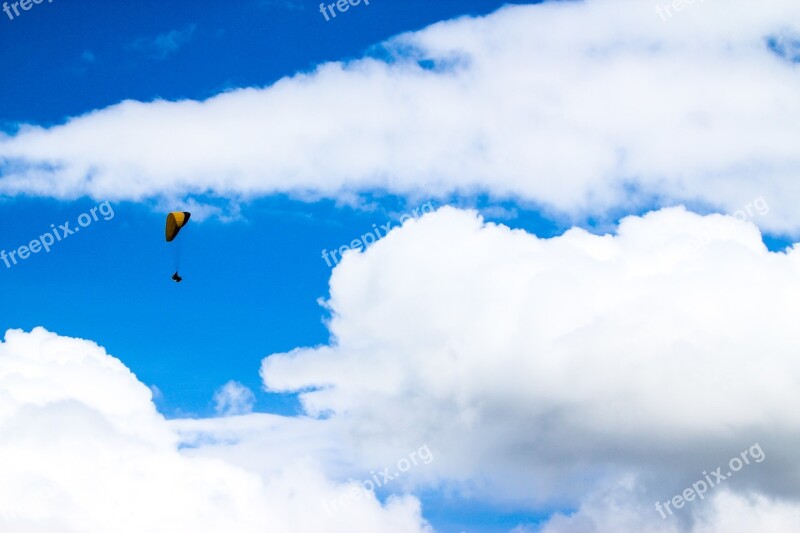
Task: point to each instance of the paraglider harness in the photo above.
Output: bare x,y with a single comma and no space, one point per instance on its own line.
177,278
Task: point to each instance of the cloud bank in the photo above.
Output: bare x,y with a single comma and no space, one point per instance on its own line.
594,373
557,373
82,449
578,107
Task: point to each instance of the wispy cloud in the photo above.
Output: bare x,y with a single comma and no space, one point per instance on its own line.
233,398
164,45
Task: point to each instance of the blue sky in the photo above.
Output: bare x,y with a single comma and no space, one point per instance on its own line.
252,285
68,60
498,341
267,265
258,278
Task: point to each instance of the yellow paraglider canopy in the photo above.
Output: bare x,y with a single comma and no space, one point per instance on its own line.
175,221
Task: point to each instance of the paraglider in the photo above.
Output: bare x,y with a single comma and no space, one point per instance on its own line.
175,222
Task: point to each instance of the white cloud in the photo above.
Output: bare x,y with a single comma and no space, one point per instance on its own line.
233,398
726,512
82,449
539,370
577,106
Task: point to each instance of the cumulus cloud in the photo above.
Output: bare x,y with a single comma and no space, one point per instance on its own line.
579,107
725,512
542,370
82,449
